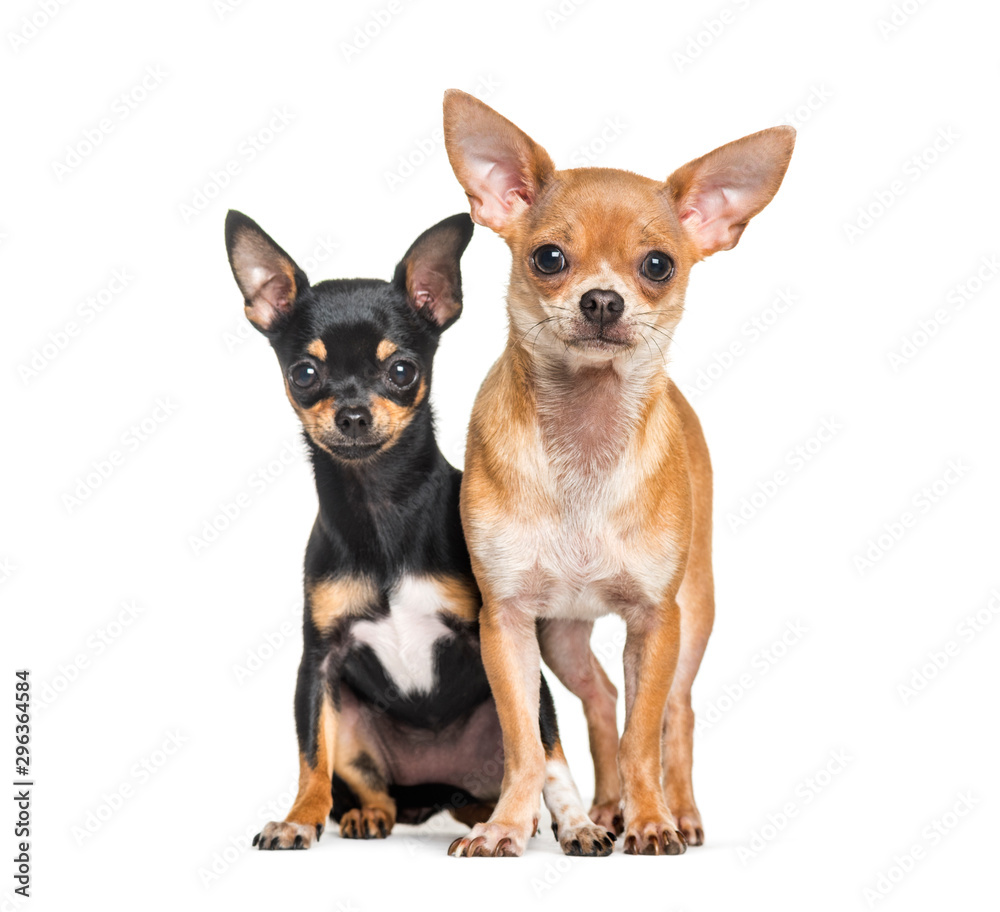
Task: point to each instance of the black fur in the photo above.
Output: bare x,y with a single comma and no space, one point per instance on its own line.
394,511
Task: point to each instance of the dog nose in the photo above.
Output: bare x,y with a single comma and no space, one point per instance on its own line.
602,306
354,421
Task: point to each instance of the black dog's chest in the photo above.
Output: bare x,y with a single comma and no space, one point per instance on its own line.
417,663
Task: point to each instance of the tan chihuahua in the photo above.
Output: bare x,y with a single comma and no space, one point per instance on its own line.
588,486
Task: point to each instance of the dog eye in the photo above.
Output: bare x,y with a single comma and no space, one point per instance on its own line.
657,266
549,259
303,374
403,373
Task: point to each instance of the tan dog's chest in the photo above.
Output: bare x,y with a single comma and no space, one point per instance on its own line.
595,520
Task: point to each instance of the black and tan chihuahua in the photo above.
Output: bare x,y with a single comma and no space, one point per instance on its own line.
393,710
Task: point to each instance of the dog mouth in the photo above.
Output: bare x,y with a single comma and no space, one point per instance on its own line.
351,450
607,339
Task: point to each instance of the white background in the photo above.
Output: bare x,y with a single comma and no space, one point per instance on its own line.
645,86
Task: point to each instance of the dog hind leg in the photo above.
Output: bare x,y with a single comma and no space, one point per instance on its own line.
565,646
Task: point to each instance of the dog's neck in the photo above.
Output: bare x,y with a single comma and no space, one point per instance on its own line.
588,409
381,490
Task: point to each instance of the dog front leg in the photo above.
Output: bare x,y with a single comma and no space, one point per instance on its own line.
511,656
651,648
316,725
360,765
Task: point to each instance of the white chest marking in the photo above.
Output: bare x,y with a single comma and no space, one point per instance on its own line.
404,640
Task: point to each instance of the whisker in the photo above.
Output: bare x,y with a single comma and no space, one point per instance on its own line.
658,329
663,356
523,335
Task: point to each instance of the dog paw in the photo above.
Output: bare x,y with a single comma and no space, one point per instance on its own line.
609,815
689,825
365,823
653,837
589,839
495,840
286,835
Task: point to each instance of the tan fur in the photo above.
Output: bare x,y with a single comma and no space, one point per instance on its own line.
389,419
509,652
377,814
330,600
307,818
386,349
587,486
459,597
317,349
314,799
696,599
318,419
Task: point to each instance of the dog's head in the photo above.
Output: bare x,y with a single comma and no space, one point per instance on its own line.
600,256
356,354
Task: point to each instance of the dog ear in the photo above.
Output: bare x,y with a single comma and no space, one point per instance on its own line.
717,194
429,274
501,168
266,275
